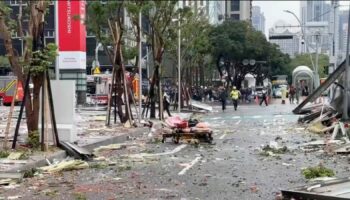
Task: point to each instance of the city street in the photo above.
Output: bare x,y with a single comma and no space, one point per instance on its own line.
84,86
232,168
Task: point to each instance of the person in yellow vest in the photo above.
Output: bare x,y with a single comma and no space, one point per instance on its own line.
235,95
284,94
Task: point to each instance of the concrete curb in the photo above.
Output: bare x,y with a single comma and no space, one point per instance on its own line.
62,154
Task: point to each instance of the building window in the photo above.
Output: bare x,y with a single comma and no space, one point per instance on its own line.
235,5
235,17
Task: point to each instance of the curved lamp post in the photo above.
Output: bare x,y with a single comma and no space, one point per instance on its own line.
315,70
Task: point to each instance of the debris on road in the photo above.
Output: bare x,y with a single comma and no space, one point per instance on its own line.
272,149
65,166
76,151
8,178
111,147
15,155
329,189
179,129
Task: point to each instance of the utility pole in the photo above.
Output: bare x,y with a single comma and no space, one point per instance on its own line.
140,66
347,75
179,66
317,78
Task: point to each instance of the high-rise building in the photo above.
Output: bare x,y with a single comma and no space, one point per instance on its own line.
314,11
238,9
216,11
213,10
315,15
343,31
258,19
288,39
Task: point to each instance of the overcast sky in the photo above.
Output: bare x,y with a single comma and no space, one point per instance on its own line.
273,11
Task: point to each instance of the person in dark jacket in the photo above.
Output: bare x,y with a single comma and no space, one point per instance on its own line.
223,97
166,104
264,97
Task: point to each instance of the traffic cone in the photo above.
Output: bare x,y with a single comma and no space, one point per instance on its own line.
256,99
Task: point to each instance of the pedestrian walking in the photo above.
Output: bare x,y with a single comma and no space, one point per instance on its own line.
263,97
297,92
223,97
235,94
166,104
284,94
291,94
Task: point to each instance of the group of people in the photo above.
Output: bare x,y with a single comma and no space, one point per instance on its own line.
236,94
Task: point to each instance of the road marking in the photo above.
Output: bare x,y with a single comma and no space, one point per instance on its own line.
239,121
222,137
278,116
191,164
236,117
256,116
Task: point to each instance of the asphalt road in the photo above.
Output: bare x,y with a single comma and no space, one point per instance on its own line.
232,168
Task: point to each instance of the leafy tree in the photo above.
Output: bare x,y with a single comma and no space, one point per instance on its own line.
234,41
37,58
105,20
159,15
196,46
4,62
304,59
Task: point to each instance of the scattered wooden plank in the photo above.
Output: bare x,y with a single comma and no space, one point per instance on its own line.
8,161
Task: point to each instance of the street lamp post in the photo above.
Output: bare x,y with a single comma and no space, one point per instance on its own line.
315,67
179,66
140,66
179,63
302,30
347,76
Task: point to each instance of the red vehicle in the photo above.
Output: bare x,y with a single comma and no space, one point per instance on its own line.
97,88
7,88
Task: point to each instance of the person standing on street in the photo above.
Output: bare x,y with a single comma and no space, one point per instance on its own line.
291,94
263,97
235,94
297,92
166,104
223,96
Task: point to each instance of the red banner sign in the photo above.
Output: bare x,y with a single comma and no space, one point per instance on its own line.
72,31
71,34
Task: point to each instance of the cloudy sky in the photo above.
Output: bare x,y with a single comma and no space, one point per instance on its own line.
273,11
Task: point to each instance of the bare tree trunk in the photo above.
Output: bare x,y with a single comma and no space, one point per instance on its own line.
37,12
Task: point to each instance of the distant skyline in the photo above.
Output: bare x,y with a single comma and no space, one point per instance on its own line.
274,11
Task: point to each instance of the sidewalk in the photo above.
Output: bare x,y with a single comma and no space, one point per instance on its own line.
91,133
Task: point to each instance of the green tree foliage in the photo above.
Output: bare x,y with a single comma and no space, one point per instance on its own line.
106,21
234,41
304,59
195,43
162,35
4,62
37,57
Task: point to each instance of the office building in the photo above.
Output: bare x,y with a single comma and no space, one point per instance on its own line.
315,16
258,19
238,9
288,39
